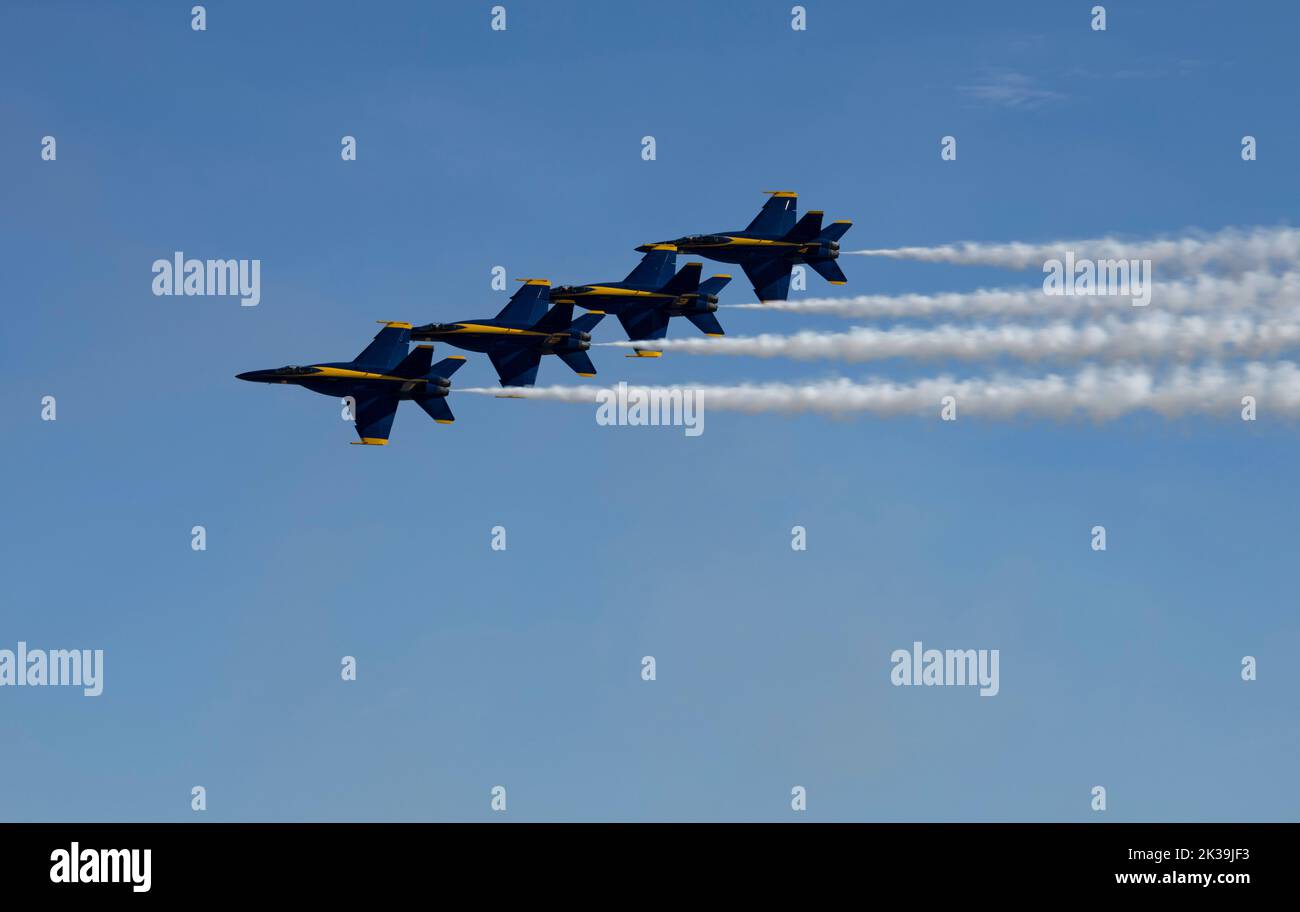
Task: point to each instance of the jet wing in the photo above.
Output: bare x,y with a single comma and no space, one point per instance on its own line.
770,278
527,304
375,418
777,215
388,347
648,324
644,324
515,366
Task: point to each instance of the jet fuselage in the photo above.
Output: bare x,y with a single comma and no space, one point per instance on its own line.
743,247
485,335
347,378
621,297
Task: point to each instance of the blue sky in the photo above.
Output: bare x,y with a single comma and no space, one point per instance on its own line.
521,668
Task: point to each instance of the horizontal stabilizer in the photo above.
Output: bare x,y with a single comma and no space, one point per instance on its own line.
437,408
707,323
714,284
579,361
447,366
830,271
587,322
835,230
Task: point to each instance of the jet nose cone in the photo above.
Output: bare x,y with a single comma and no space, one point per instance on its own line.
249,375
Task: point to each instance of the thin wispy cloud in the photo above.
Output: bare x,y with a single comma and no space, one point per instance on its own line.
1009,90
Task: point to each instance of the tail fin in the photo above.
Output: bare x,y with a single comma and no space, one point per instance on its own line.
388,347
416,364
776,218
655,268
714,284
808,228
707,323
587,322
557,319
835,230
528,303
580,361
830,271
560,319
447,366
685,282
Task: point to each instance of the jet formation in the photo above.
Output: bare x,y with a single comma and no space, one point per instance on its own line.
539,320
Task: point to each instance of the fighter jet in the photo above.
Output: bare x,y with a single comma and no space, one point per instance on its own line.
652,295
772,244
516,338
377,380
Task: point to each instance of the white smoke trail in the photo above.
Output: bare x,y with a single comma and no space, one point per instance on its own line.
1247,292
1231,249
1157,335
1098,392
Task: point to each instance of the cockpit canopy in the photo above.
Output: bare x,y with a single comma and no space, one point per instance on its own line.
571,289
292,369
704,239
